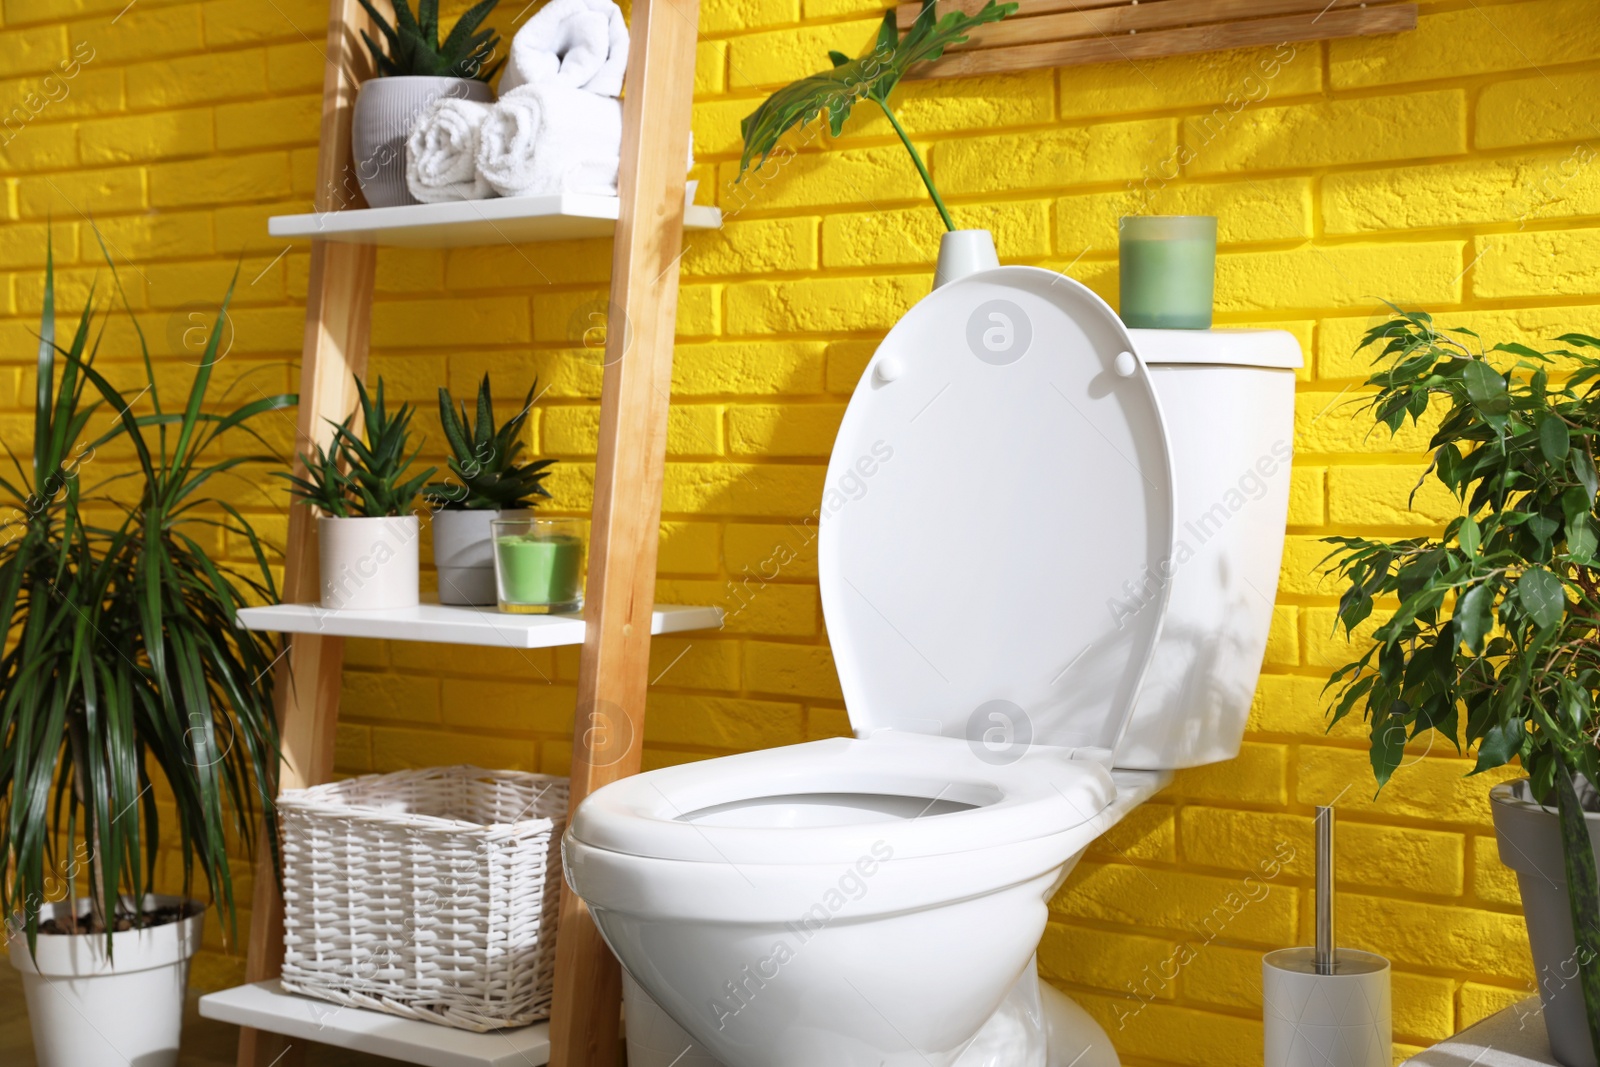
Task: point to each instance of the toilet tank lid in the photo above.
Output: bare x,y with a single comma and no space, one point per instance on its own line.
1230,348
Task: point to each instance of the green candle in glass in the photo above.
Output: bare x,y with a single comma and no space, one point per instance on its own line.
1169,271
538,565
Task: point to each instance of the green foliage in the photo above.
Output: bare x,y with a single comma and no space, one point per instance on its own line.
484,459
123,665
870,76
414,47
1494,640
363,474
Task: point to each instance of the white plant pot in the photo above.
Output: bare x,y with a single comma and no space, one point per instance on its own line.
385,111
463,553
368,564
1530,844
90,1011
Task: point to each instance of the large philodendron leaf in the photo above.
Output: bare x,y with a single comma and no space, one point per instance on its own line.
872,75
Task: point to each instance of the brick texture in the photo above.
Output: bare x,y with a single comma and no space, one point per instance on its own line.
1450,169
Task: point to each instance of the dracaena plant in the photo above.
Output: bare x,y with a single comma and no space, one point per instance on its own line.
414,47
1493,637
363,475
123,666
870,76
484,459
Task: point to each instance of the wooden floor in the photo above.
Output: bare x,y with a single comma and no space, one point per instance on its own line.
205,1043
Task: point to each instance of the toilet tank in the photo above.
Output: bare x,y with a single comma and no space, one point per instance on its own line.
1227,397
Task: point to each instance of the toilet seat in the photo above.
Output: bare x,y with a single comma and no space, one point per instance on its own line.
673,813
996,532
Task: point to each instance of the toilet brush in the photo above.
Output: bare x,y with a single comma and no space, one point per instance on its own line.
1325,1006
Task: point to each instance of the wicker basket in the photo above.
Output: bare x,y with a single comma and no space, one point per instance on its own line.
430,894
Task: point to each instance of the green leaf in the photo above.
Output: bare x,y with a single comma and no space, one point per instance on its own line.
1500,745
1554,439
1541,596
1581,539
1474,616
1388,739
1469,536
1583,469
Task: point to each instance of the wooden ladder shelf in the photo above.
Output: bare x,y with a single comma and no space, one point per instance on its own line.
619,603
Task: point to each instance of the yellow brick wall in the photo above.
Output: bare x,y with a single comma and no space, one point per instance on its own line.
1450,168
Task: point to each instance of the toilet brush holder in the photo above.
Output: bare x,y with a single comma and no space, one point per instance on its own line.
1326,1006
1326,1020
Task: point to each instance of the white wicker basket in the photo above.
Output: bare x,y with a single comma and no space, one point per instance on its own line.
430,894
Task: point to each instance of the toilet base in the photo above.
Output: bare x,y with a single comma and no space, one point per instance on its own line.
1037,1026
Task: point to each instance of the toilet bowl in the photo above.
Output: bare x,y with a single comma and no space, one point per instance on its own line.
1047,553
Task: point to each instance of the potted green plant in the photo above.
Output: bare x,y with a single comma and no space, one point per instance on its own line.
123,669
487,479
413,70
1494,636
873,76
366,532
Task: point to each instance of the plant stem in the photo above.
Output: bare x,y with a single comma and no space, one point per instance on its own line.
927,179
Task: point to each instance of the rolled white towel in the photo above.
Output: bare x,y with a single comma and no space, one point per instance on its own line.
442,152
582,42
548,137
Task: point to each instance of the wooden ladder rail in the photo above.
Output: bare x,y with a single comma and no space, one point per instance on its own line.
608,731
333,353
630,465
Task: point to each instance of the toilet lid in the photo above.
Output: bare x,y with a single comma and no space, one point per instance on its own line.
997,520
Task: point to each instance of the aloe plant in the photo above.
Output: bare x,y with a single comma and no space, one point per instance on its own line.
414,47
363,474
123,664
483,458
870,76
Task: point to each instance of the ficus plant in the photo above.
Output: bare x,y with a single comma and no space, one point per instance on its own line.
484,462
870,76
363,473
1492,639
122,666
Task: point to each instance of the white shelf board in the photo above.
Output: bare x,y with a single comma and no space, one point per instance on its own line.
498,220
266,1006
458,625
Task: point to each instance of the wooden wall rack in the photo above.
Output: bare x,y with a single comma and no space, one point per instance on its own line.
1068,33
619,614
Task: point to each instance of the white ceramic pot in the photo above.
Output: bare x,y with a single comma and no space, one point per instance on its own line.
463,553
1530,844
368,564
385,111
87,1010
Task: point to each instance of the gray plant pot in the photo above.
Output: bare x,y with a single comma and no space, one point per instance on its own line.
386,109
1530,844
463,553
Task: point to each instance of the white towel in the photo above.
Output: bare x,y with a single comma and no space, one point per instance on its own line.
582,42
442,152
547,138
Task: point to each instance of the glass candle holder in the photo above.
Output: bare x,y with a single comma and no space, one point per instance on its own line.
1169,271
538,565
